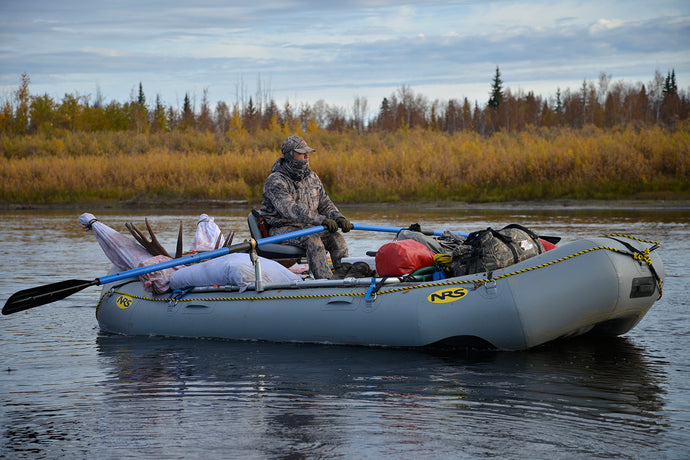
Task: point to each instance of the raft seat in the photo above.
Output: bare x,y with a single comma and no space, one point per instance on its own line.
275,251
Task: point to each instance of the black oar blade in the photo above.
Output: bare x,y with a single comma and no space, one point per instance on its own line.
551,239
41,295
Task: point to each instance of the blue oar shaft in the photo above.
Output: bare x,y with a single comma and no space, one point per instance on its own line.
386,228
193,258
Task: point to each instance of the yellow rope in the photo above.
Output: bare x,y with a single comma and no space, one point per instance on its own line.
643,256
630,238
640,256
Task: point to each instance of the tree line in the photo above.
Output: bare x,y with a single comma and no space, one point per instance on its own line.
605,103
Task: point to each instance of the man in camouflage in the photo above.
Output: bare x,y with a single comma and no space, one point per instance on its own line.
294,198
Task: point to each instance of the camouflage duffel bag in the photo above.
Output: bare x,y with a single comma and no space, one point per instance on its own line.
488,250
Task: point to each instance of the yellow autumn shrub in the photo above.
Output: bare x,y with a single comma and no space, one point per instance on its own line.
416,164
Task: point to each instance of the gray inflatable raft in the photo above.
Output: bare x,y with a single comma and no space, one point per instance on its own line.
600,285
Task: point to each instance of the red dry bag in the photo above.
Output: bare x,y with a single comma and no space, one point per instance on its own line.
402,257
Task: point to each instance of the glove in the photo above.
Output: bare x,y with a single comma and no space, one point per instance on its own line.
330,225
345,224
415,228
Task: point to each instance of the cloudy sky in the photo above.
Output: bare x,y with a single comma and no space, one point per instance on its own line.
309,50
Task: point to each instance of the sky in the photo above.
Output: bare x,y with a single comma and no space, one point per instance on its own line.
303,51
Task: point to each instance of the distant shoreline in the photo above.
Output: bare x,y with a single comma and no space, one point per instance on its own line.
545,205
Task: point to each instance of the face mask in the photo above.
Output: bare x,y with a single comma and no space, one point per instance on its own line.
298,169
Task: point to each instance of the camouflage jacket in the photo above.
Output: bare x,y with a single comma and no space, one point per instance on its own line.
290,201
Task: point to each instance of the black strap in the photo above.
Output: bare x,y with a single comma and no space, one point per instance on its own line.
91,222
532,235
524,229
507,241
634,251
516,258
380,284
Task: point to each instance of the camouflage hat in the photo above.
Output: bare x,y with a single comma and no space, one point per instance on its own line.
295,143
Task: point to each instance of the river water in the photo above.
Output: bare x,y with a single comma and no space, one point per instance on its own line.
69,391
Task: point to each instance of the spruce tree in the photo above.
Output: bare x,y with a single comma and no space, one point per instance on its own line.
141,99
496,90
670,86
186,105
187,113
559,103
160,122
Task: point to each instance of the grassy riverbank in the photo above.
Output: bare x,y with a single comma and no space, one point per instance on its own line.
650,163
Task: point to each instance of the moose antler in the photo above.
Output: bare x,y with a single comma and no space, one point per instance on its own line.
153,247
178,247
228,240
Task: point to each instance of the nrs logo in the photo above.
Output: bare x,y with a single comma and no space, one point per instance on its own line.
124,302
447,295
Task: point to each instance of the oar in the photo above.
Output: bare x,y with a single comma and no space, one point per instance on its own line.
385,228
41,295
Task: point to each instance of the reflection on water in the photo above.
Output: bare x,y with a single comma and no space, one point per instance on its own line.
67,390
580,396
315,398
